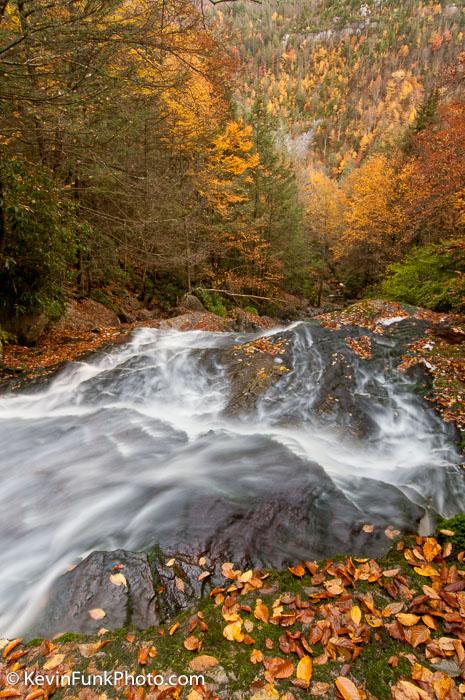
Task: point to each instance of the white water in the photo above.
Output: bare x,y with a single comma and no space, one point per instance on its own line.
97,458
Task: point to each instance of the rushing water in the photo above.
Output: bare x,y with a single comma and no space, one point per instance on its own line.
100,456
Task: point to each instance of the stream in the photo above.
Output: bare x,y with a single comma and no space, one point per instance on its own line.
134,447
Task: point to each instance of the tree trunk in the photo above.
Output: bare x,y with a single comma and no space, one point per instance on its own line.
3,222
188,257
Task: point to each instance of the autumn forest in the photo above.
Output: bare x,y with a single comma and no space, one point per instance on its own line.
266,149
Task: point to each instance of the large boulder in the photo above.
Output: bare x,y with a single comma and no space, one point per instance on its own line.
28,328
87,315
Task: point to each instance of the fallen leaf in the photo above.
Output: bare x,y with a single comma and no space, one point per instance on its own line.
53,662
426,571
192,643
304,670
118,580
261,611
203,662
233,633
334,586
88,650
298,570
355,614
279,668
407,619
97,613
431,549
173,629
347,689
179,583
256,657
143,656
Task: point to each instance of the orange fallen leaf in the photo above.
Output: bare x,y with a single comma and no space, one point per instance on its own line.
348,689
192,643
261,611
279,668
203,662
298,570
431,549
10,646
256,657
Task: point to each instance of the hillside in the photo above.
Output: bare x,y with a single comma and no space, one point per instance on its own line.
342,77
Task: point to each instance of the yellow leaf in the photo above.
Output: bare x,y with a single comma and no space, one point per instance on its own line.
304,670
233,632
426,571
356,614
173,629
373,621
407,619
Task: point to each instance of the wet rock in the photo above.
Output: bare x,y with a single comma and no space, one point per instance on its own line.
289,511
88,587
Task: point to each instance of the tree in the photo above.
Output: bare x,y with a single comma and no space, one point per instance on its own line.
372,221
325,205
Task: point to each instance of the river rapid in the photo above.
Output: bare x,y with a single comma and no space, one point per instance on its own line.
109,453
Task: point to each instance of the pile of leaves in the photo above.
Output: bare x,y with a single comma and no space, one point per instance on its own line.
350,629
371,314
445,362
361,346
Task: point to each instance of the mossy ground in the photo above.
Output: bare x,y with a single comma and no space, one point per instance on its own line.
376,662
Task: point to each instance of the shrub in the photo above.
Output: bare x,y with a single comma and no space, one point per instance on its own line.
213,302
431,276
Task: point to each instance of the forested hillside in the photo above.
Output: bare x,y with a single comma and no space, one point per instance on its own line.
368,99
260,149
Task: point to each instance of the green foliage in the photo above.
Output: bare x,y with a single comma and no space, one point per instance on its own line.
39,242
429,276
277,206
251,310
213,302
457,526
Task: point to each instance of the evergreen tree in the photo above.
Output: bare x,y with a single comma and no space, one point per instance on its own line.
278,211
